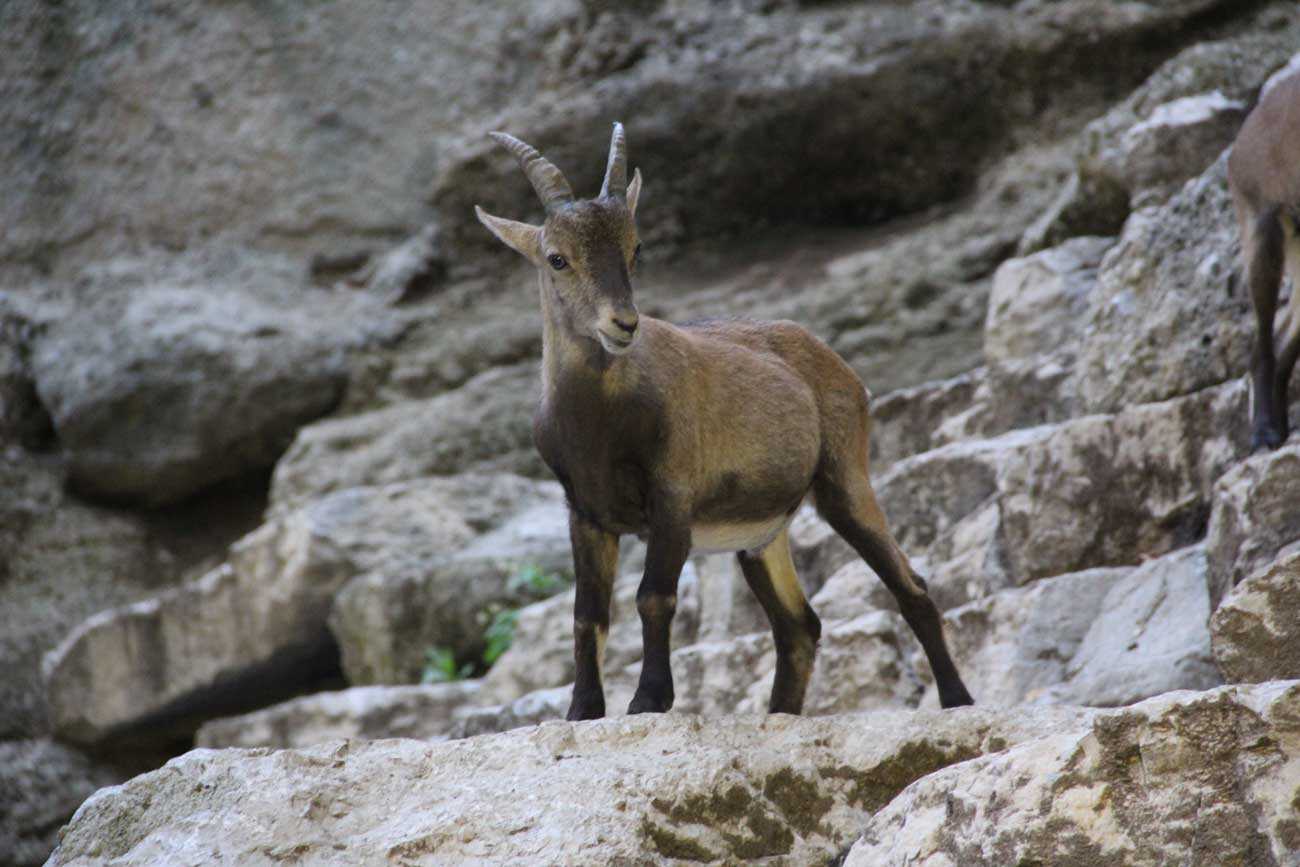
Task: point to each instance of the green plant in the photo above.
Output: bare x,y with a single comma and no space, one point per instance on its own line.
499,635
440,667
536,580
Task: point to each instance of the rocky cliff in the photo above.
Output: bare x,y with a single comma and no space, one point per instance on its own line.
276,553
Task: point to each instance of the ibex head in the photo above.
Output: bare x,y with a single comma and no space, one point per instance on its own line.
586,249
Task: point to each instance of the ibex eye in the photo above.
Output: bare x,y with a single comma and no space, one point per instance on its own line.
557,261
636,254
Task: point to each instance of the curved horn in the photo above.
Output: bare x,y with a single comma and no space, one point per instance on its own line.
616,169
546,179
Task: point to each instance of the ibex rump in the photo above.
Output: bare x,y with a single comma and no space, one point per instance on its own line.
1264,174
704,437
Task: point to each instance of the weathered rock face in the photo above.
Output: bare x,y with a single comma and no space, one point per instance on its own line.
1166,317
1037,301
608,792
1208,778
1254,516
368,712
1256,629
260,619
41,784
158,392
484,425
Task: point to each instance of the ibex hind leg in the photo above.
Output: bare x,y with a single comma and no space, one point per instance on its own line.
795,626
1288,336
849,505
1262,252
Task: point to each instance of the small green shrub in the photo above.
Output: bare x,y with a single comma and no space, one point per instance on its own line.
440,667
499,635
537,581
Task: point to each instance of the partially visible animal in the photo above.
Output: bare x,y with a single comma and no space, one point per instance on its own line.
702,437
1264,175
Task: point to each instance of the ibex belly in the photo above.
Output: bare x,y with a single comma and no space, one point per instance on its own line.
721,537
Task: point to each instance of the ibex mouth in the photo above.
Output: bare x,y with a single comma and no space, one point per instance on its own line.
615,345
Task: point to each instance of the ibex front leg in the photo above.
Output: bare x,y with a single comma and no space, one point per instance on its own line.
656,601
595,559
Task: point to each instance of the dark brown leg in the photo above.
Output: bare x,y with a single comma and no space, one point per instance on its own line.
1262,253
595,559
1289,336
853,512
795,626
656,601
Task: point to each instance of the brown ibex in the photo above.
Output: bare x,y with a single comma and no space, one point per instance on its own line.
699,437
1264,174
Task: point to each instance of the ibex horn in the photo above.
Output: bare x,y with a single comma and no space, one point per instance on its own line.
616,169
546,179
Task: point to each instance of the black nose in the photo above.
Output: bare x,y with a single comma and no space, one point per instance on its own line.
627,322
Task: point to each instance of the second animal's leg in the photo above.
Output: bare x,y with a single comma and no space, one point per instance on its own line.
1261,249
795,626
849,506
1288,338
656,601
595,559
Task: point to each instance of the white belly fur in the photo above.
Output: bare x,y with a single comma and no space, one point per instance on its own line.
747,536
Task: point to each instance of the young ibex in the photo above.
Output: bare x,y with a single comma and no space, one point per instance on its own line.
701,437
1264,174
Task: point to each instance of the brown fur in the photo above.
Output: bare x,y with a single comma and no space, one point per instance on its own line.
1264,174
718,429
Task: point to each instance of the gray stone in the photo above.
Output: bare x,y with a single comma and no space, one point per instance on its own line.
485,425
158,392
367,712
1254,516
1186,778
1150,636
41,784
614,791
259,620
1256,630
1037,301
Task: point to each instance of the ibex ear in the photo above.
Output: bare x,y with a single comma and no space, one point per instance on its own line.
634,191
520,237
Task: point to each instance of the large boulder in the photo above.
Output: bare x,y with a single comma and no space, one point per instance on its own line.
1254,516
1256,630
160,391
254,629
1186,778
615,791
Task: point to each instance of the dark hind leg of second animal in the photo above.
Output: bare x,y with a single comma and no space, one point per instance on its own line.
1262,250
849,506
795,626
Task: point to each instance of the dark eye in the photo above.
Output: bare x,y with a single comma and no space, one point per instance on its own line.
636,254
557,261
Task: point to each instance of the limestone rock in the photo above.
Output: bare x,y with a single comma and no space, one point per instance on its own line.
1254,516
484,425
1150,635
257,624
387,618
1256,630
1167,318
41,784
1209,778
161,392
1037,301
609,792
1012,646
366,712
905,422
61,561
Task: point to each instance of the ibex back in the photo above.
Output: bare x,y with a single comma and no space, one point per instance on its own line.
1264,173
699,437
